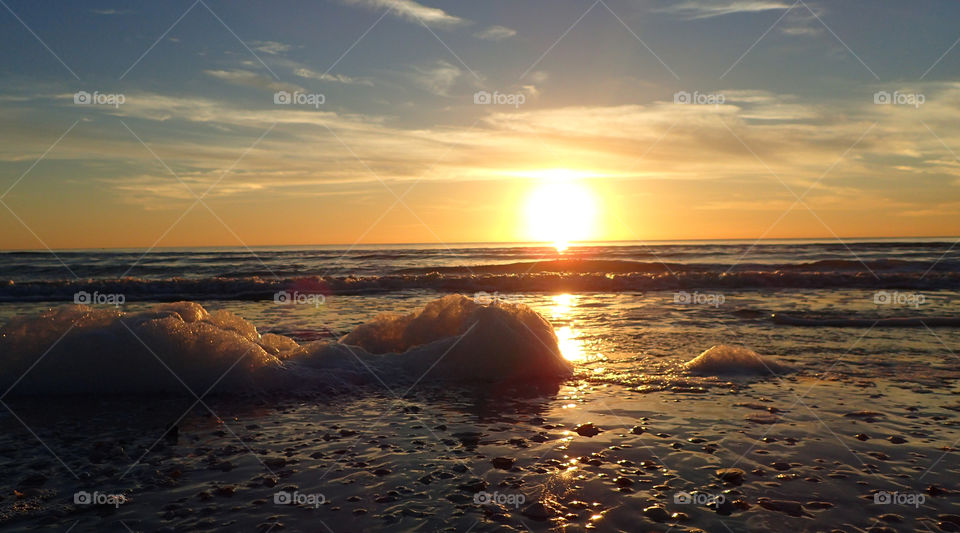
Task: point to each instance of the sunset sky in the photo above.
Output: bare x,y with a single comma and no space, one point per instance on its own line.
786,142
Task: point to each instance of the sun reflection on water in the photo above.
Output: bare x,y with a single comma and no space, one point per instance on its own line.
570,347
568,337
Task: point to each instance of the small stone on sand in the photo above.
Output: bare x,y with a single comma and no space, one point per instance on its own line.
731,475
587,430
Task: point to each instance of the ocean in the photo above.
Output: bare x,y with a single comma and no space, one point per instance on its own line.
187,380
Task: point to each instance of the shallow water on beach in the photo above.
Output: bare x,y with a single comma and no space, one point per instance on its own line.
432,460
866,411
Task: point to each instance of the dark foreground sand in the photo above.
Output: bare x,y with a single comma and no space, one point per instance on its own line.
768,456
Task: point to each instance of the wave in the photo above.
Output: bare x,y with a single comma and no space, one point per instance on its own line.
853,322
258,288
723,360
182,348
574,265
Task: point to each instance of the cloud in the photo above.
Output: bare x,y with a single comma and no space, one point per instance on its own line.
412,11
702,9
755,135
111,11
271,47
538,76
495,33
438,78
803,22
252,79
809,31
304,72
531,90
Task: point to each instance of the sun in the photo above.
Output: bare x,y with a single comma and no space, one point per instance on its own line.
561,210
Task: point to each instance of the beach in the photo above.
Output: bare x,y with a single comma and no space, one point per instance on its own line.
806,427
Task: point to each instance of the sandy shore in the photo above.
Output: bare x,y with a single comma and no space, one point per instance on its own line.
587,455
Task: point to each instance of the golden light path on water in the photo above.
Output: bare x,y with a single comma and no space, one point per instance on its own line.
563,484
568,336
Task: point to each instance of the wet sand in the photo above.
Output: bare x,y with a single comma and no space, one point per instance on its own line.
749,456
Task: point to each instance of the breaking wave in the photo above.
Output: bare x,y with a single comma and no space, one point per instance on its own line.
179,346
253,288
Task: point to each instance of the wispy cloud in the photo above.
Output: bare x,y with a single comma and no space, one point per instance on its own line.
701,9
412,11
495,33
111,11
251,79
270,47
802,23
661,142
438,78
304,72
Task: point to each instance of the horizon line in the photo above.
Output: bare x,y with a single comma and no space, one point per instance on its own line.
812,240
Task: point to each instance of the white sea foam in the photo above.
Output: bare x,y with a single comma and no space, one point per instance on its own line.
78,349
724,359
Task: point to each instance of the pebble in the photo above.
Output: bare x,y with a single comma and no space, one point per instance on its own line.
274,462
731,475
474,485
656,513
587,430
818,505
783,506
536,511
936,490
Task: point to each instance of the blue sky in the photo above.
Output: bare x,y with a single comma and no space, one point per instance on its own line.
400,152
